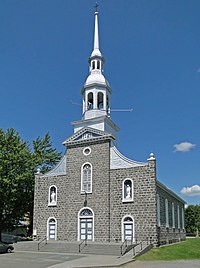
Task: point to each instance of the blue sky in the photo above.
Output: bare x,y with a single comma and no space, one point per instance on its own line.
152,53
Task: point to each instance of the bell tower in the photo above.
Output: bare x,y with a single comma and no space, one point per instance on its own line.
96,92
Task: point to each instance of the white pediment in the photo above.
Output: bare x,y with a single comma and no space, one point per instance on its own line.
87,134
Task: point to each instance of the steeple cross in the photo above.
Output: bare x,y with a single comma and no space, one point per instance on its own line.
96,7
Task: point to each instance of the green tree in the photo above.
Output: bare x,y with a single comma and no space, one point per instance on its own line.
192,219
18,164
44,156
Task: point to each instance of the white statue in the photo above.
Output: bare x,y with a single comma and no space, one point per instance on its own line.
128,191
53,196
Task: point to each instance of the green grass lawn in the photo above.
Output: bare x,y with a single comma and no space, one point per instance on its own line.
187,250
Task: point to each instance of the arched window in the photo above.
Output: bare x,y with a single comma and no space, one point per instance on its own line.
86,178
127,190
108,104
86,224
90,101
93,65
52,198
98,64
52,229
128,229
100,100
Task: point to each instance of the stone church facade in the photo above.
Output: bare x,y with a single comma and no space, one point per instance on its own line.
95,192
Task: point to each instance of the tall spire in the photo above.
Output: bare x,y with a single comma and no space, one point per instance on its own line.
96,51
96,91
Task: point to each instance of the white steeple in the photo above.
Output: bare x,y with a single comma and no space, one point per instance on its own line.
96,51
96,92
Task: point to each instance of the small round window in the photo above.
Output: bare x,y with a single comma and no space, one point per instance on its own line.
87,151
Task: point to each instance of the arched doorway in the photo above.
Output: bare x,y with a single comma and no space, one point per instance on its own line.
86,224
128,229
51,229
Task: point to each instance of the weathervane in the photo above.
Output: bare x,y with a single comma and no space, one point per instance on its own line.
96,6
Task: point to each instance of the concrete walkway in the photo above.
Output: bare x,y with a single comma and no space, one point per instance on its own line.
98,261
31,259
89,261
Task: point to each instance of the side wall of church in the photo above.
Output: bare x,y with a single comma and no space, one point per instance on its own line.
143,207
169,232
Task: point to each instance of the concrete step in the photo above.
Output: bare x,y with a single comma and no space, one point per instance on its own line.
70,247
101,249
113,249
61,247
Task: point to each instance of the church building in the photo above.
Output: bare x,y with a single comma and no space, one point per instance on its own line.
97,194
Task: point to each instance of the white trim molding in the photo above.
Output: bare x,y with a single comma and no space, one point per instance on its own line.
80,217
52,196
127,190
52,218
158,210
123,221
167,213
82,188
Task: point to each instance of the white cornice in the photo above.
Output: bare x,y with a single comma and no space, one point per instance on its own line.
97,120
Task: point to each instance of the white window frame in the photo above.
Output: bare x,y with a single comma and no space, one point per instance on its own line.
129,199
79,217
122,226
173,216
158,210
52,204
183,217
167,213
82,188
87,149
50,218
178,215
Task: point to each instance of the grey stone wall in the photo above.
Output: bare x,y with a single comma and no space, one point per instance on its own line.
70,200
42,212
98,200
143,207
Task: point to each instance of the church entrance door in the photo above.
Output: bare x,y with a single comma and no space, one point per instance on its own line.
86,224
86,229
52,229
128,229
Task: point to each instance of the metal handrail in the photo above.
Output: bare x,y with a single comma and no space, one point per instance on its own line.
124,246
85,240
147,240
44,239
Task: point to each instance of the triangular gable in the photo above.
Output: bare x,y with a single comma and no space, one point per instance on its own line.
87,134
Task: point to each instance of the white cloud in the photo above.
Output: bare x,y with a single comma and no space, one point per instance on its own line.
198,70
184,146
191,191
